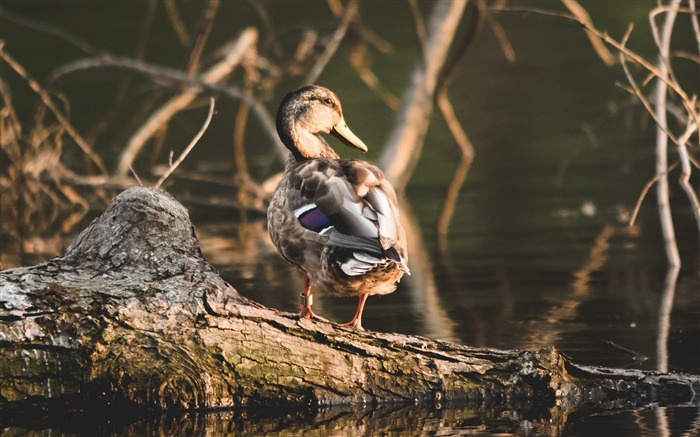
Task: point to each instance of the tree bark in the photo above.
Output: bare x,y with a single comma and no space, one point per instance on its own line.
134,315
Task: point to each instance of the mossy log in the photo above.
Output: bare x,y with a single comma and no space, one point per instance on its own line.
134,315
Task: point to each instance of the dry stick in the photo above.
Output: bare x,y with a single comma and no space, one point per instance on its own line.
46,99
136,176
358,62
366,34
176,21
501,36
418,22
638,92
665,58
660,96
190,146
204,27
357,56
598,45
646,188
605,37
664,324
333,44
694,21
50,29
243,45
239,156
457,131
177,76
120,96
405,143
684,179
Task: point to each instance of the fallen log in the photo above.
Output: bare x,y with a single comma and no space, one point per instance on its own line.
133,315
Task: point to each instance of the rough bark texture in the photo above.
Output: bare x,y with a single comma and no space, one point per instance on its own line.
133,314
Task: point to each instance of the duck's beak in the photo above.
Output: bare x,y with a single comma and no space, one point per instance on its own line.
344,134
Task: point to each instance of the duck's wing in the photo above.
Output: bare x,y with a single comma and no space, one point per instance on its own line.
355,206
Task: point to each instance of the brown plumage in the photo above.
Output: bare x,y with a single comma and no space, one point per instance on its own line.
337,220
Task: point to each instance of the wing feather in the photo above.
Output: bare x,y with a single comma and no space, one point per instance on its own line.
360,206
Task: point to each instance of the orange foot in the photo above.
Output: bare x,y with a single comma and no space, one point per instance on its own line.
307,312
355,324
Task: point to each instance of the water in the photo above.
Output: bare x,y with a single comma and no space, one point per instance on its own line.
538,253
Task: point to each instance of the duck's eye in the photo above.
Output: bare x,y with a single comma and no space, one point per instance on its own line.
328,101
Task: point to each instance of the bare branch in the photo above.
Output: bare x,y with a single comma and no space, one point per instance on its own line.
660,96
694,20
608,40
51,30
46,99
243,45
637,91
644,192
501,36
684,179
418,22
333,44
136,176
404,146
189,146
204,27
576,9
176,21
456,129
164,75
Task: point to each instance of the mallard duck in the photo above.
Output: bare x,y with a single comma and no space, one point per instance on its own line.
335,219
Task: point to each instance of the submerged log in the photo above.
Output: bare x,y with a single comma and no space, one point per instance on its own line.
134,315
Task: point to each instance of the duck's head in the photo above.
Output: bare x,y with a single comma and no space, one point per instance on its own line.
307,112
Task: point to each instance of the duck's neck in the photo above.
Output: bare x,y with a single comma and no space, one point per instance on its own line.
306,145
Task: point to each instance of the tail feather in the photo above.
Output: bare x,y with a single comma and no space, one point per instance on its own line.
360,263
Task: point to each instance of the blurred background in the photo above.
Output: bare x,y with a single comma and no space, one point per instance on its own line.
527,246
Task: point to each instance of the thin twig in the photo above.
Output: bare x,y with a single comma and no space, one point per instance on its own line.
637,91
646,188
176,21
501,36
664,53
605,37
603,53
418,22
404,146
694,21
136,176
333,44
684,179
204,26
635,355
243,45
115,109
190,146
50,29
46,99
456,129
662,134
165,75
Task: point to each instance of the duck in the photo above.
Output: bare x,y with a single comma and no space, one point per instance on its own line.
337,220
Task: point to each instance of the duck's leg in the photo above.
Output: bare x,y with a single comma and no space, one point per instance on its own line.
356,322
306,300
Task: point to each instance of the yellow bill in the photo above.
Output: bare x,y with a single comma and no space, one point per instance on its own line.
344,134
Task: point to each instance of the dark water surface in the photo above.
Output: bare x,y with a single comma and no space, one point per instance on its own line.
538,253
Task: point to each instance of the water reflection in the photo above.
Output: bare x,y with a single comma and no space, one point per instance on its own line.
521,419
665,318
424,296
